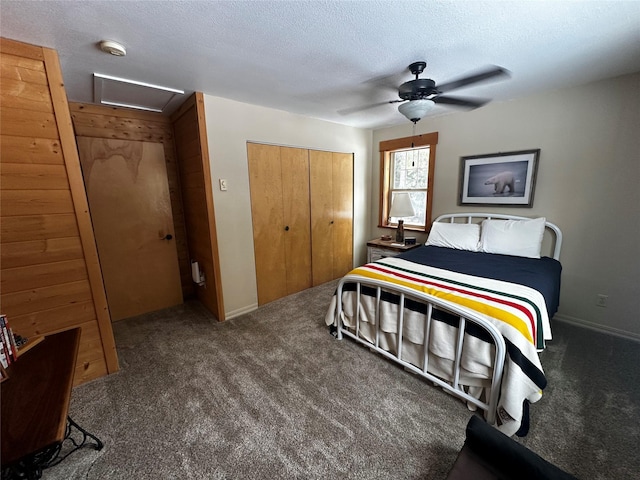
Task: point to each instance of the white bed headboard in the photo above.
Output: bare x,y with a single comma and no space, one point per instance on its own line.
554,230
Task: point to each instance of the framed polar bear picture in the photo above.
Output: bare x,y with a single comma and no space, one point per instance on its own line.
506,179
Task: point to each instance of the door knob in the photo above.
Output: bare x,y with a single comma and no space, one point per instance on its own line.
168,236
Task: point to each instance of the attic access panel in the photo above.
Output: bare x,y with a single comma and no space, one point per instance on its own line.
122,92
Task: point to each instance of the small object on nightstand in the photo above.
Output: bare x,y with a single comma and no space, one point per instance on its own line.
378,249
409,240
386,238
400,231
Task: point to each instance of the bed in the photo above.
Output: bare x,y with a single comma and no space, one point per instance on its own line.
469,311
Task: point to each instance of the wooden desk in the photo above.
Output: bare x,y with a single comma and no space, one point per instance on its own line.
35,403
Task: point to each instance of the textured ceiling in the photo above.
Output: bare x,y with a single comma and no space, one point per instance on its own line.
319,58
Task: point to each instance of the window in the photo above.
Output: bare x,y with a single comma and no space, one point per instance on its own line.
407,165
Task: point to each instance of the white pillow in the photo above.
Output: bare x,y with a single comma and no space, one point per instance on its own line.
522,238
461,236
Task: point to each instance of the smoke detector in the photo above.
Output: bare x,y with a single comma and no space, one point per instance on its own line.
114,48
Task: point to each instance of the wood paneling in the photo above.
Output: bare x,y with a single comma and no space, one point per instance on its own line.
44,298
90,364
28,176
25,51
33,202
38,227
64,317
30,150
72,162
126,124
21,254
23,95
42,275
192,154
18,122
25,69
50,278
121,123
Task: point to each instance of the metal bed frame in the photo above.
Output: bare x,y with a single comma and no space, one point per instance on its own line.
454,387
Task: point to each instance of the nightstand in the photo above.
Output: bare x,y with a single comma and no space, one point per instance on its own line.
377,249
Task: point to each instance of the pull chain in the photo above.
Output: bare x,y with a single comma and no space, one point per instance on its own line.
413,134
413,162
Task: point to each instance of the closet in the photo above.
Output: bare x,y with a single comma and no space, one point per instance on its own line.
302,211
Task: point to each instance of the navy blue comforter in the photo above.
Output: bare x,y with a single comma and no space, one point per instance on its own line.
542,274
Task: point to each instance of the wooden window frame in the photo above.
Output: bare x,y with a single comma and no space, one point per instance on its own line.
387,147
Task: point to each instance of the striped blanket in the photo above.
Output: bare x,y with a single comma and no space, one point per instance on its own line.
518,312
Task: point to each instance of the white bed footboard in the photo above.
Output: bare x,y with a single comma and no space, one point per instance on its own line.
355,325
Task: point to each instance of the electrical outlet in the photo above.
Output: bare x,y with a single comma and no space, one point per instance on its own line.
223,185
601,300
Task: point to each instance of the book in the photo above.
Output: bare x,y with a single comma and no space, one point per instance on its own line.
6,341
12,339
3,357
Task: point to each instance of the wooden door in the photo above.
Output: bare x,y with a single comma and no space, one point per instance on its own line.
126,183
342,213
331,180
297,217
279,185
265,182
322,222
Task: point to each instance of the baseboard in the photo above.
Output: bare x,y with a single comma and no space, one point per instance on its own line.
240,311
597,327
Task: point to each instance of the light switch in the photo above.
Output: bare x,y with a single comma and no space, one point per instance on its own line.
223,184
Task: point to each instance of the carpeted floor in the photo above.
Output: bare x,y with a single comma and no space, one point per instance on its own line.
272,395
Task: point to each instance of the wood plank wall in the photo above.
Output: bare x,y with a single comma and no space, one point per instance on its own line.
50,274
193,160
126,124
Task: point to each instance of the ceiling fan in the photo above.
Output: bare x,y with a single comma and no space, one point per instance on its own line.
419,95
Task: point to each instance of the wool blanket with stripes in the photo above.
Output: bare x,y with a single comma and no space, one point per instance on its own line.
518,312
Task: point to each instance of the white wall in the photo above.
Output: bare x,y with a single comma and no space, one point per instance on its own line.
588,184
230,125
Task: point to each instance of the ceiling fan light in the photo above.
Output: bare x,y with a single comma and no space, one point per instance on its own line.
414,110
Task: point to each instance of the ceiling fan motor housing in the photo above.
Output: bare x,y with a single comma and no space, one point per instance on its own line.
417,89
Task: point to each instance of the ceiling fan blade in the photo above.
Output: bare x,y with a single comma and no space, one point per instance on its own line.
386,82
349,111
461,101
494,72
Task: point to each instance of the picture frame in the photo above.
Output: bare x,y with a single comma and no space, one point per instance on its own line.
499,179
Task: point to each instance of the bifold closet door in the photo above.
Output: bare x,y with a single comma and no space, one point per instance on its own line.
278,178
297,217
342,172
331,191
